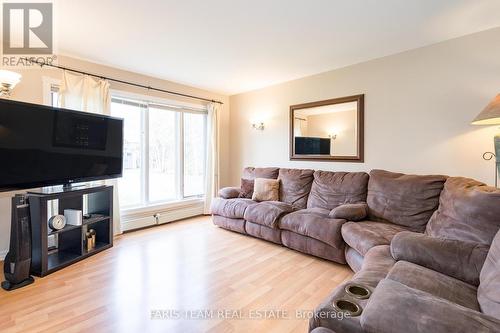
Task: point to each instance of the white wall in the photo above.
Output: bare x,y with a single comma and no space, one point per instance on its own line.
418,107
30,89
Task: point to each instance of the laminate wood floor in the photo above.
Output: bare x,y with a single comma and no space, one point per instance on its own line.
186,276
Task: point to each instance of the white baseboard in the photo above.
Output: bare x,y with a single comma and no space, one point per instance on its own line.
146,219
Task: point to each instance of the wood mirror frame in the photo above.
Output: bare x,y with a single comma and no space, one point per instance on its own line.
359,157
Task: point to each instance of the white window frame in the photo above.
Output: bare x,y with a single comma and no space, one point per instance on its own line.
167,104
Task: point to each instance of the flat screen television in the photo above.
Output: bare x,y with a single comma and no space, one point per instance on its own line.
312,146
44,146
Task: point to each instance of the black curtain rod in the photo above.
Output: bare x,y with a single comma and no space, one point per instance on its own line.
41,64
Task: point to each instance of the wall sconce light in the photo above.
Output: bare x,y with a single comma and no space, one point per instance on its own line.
8,80
259,126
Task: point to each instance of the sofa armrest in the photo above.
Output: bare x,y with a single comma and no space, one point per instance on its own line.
350,212
229,192
394,307
459,259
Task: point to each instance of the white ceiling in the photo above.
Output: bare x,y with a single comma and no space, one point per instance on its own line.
232,46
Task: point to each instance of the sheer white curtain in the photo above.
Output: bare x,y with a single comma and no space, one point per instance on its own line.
212,163
84,93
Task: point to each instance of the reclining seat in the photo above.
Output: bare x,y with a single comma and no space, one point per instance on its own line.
262,219
457,237
442,266
450,275
313,230
396,202
229,208
438,303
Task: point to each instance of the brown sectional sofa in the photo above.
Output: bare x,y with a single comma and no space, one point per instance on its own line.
305,195
423,247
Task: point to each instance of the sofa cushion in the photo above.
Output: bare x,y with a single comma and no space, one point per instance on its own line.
489,286
266,189
353,259
237,225
350,212
377,263
312,246
232,208
332,189
267,213
315,224
437,284
295,186
455,258
364,235
468,210
407,200
263,232
396,308
252,173
246,189
229,192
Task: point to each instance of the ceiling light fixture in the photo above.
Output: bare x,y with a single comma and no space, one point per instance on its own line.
8,80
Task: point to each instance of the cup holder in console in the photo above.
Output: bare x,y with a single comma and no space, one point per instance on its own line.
357,291
346,306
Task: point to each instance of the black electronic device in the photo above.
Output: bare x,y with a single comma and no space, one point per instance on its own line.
17,263
312,146
44,146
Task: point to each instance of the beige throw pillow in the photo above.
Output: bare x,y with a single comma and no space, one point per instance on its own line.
266,189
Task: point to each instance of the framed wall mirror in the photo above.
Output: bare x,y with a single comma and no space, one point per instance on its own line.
331,130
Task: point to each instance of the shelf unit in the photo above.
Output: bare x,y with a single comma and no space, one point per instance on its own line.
97,202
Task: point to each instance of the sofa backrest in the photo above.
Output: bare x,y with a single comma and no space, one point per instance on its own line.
407,200
332,189
488,293
295,185
252,173
468,210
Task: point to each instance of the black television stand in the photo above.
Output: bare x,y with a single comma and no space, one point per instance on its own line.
96,204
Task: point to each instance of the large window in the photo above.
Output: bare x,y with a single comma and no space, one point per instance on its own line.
164,152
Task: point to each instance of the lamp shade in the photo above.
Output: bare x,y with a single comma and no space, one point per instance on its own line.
490,115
